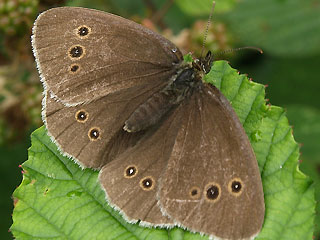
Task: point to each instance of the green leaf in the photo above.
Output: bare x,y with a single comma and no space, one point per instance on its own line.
188,58
59,200
279,27
306,126
203,7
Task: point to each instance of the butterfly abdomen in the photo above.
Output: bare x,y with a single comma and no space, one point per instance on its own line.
149,113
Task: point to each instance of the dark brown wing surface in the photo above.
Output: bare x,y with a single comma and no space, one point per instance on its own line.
212,182
84,54
132,180
71,126
100,67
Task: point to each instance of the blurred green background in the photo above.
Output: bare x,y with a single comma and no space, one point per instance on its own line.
288,31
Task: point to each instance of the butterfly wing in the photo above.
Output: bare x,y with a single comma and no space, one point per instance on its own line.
100,67
132,180
212,182
70,127
84,54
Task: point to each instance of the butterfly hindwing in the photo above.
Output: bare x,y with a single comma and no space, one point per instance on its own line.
70,127
132,180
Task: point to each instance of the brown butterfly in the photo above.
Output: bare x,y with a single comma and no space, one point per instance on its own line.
120,98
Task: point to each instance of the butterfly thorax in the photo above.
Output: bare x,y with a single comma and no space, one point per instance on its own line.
181,86
151,112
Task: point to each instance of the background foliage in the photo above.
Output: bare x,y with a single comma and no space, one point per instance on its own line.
287,31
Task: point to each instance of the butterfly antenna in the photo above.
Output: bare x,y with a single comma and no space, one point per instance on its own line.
238,49
207,28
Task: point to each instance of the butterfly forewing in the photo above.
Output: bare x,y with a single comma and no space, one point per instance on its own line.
84,54
96,71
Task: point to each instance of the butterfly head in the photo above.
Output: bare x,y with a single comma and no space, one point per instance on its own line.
203,65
